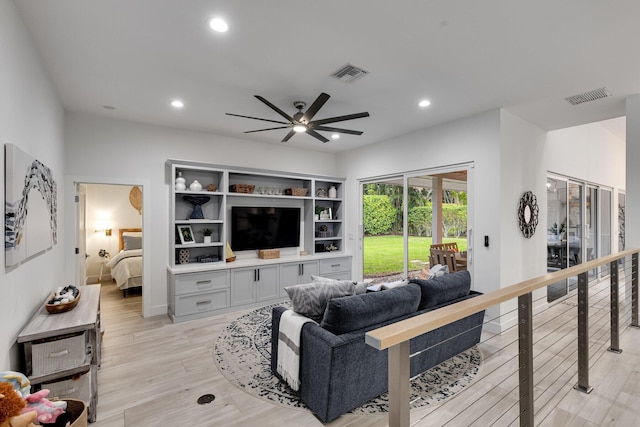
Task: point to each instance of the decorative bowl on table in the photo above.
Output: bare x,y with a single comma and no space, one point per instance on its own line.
63,300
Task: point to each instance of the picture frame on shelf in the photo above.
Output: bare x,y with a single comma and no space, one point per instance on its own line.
186,235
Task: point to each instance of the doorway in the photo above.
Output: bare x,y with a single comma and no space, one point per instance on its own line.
109,228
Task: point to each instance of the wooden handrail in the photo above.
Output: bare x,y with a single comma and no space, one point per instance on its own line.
407,329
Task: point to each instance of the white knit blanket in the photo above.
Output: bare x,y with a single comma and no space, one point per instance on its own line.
289,347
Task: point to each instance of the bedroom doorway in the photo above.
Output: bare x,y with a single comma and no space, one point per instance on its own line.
109,242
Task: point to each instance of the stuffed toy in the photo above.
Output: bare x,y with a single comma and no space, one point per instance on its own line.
11,404
46,411
19,381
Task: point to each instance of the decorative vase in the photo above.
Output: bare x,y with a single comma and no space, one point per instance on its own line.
195,186
180,182
183,256
207,239
333,193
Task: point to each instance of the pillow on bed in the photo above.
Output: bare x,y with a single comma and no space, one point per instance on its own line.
131,242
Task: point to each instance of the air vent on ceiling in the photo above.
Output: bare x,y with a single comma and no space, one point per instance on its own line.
349,73
591,95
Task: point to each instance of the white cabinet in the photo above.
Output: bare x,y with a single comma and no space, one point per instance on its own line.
296,273
194,295
200,281
336,268
249,285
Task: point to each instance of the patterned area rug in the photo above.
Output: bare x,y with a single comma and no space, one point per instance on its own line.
243,353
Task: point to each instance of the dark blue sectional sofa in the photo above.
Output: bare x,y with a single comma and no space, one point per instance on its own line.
339,372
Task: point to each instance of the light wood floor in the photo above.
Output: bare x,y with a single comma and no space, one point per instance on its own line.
153,372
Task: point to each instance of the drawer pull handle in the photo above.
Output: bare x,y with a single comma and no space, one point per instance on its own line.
203,282
60,353
204,302
335,265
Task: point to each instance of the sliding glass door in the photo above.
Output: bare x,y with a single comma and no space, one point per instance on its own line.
579,229
402,215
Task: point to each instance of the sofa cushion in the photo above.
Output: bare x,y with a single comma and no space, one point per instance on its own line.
310,299
445,288
356,312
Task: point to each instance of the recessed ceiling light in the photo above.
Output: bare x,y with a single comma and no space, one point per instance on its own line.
176,103
219,25
424,103
335,136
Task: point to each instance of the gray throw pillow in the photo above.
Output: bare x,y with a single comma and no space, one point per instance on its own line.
360,287
131,242
311,299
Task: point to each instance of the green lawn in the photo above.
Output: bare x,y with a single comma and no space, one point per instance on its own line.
384,254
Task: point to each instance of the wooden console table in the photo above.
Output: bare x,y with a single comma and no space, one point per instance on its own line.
60,346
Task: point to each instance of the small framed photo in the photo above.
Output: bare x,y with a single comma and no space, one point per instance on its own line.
186,235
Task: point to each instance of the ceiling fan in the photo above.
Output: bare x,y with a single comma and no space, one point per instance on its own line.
301,121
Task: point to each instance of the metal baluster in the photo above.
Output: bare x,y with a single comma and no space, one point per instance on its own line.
583,334
525,358
634,291
615,306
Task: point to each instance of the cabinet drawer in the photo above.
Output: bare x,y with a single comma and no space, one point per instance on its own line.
198,282
193,304
76,387
334,265
53,356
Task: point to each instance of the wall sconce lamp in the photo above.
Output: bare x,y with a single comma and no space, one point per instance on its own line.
107,232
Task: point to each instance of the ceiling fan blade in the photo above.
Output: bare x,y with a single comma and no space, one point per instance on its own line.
316,135
289,135
260,130
256,118
339,118
338,130
313,109
274,108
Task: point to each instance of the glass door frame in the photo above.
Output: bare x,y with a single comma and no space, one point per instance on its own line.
585,223
406,177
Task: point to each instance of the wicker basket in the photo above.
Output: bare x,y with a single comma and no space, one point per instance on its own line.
301,192
268,253
61,308
242,188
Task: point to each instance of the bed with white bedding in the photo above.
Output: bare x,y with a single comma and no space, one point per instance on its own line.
126,266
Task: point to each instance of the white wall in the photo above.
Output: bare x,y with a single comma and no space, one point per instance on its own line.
100,149
31,118
107,206
475,139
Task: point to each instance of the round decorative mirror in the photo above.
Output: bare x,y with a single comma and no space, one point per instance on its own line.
528,214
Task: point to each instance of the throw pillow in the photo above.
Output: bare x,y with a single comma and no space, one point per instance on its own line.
391,285
131,242
440,290
311,299
360,287
356,312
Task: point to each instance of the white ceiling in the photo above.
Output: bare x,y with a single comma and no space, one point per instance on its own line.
465,56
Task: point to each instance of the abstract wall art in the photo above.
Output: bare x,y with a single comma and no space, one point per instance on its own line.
30,212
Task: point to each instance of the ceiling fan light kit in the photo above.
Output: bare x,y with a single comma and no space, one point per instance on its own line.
302,121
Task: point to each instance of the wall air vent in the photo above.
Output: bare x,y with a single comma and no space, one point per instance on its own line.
591,95
349,73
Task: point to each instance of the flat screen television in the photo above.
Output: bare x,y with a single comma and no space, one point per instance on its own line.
264,227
